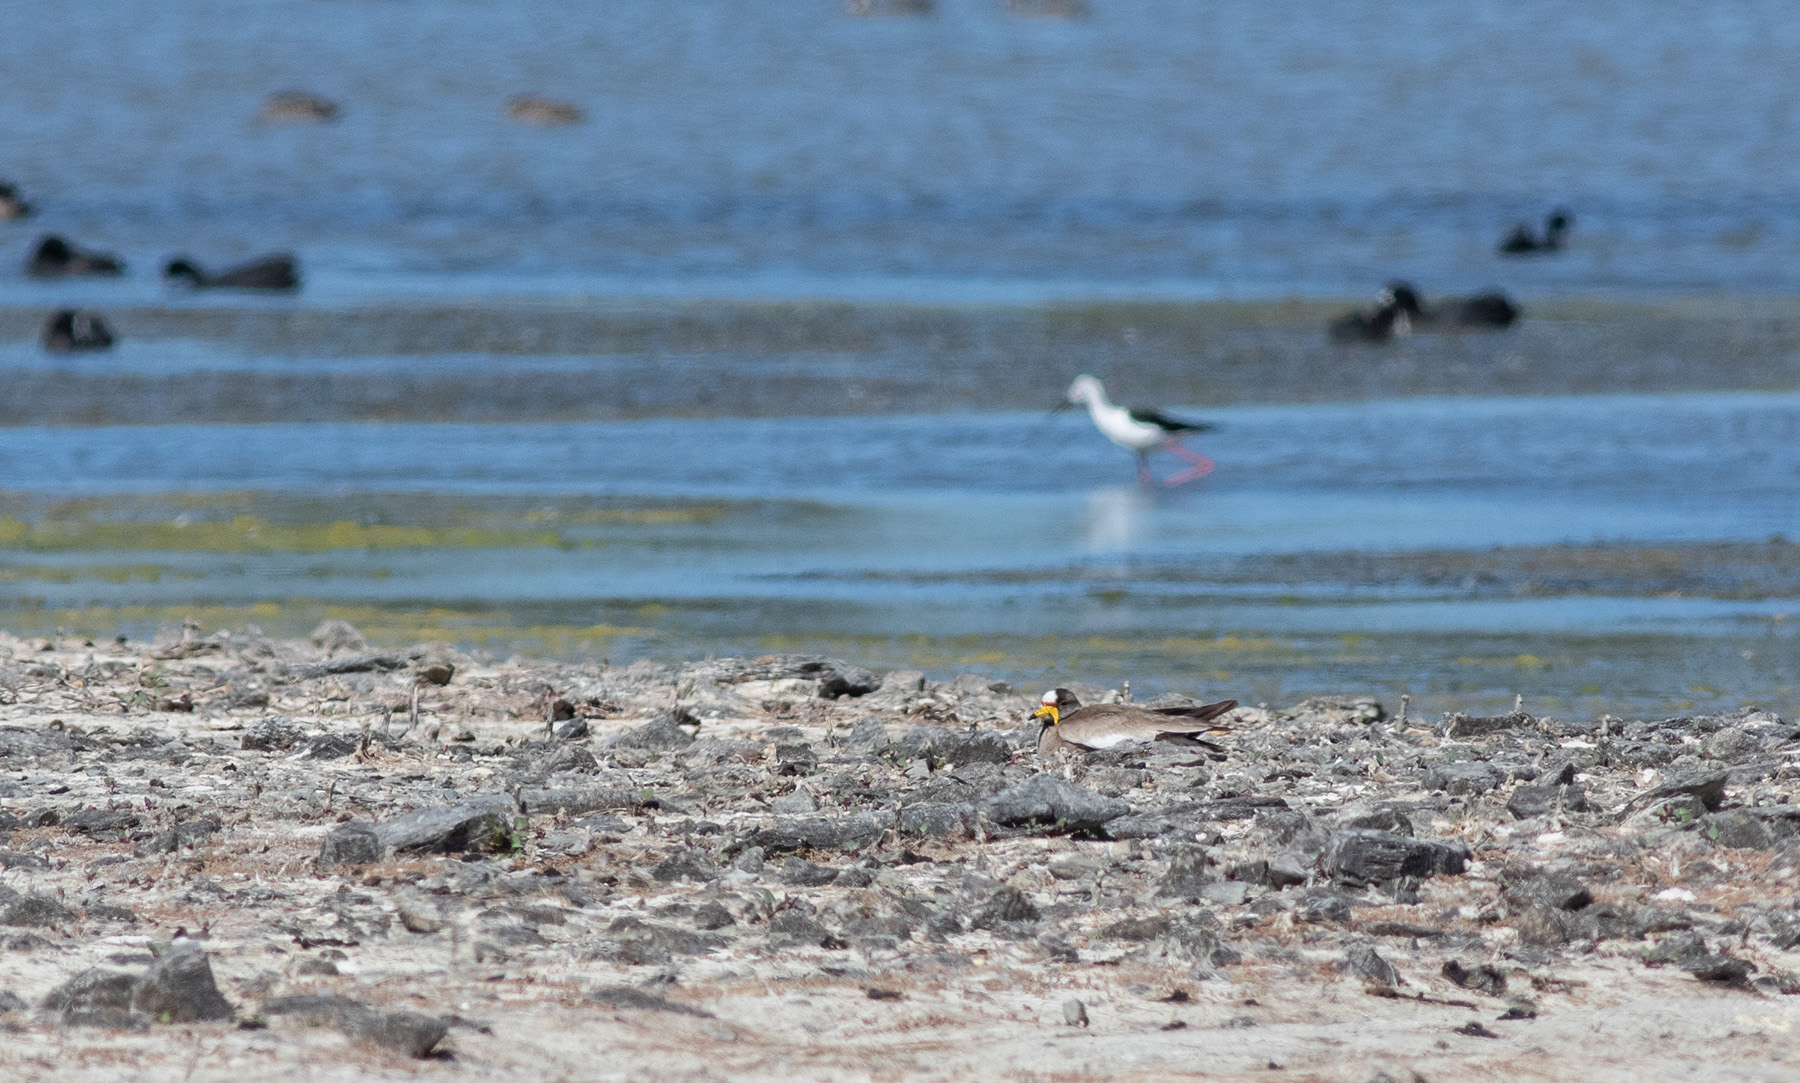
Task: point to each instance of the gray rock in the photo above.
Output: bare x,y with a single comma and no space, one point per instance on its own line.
479,823
570,758
1557,892
685,864
180,837
624,996
338,635
577,801
663,733
1708,789
353,843
1462,725
276,734
35,910
1528,801
403,1032
713,915
798,927
93,989
1047,800
1008,904
1363,962
841,833
356,663
436,672
936,820
11,1002
1187,877
1733,745
327,746
1074,1013
179,987
1482,977
418,914
1463,777
1737,830
806,874
1545,926
1364,857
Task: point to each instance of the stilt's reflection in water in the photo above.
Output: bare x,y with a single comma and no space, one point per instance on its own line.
1117,518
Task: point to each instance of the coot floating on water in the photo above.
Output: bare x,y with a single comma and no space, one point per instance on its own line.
1387,321
1522,242
1484,311
275,272
74,331
55,257
12,204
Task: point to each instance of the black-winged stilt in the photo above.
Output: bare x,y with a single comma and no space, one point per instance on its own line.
1140,431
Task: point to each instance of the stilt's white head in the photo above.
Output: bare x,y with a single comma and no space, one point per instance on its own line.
1087,391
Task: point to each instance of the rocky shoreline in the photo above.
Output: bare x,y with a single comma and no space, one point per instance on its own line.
226,856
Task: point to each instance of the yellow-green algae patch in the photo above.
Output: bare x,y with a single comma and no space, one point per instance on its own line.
396,627
87,573
254,534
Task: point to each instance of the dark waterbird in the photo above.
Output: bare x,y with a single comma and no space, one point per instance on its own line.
274,272
74,331
1490,311
1523,242
12,204
55,257
1386,321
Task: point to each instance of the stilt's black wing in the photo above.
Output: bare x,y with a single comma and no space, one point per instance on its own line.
1167,423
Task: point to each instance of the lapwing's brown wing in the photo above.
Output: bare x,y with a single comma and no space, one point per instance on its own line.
1201,715
1109,725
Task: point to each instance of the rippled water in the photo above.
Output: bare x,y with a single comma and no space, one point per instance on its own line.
1161,147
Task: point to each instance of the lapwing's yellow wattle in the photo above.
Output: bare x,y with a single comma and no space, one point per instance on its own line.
1051,712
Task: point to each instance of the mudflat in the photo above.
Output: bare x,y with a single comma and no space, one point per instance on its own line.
231,856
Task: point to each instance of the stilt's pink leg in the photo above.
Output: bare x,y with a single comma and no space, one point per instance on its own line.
1201,467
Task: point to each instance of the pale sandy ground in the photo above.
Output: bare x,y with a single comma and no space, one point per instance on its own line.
789,1014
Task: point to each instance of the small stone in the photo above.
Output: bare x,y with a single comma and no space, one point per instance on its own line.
1462,778
418,913
94,988
1364,857
685,864
1737,830
1047,800
1553,891
437,673
1075,1013
333,636
1364,962
1482,977
713,915
179,987
1708,789
663,733
35,910
354,843
276,734
1528,801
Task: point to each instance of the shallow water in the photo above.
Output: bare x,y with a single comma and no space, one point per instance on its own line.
1015,540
